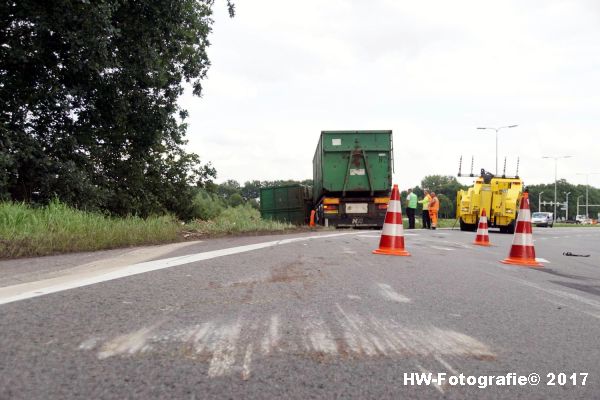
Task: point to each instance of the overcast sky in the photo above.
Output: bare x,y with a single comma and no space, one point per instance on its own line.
431,71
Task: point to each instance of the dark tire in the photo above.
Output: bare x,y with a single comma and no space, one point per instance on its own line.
467,227
509,228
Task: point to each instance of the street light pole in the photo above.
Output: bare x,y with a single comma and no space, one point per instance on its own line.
587,187
497,129
555,177
567,207
540,201
577,213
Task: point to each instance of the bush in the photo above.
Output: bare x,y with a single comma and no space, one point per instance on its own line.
207,206
235,200
238,219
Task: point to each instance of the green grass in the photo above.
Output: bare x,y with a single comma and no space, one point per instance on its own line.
241,219
442,223
562,225
27,231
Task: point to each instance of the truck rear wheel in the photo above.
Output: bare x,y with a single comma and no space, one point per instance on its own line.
508,228
467,227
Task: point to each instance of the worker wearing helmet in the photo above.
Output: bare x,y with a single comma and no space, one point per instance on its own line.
434,207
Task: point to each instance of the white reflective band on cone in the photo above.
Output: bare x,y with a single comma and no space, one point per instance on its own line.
394,206
392,230
524,215
523,239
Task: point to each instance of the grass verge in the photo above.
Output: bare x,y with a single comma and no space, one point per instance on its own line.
28,232
562,225
442,223
57,228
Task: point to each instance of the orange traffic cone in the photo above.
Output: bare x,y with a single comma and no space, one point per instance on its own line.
522,251
482,238
392,235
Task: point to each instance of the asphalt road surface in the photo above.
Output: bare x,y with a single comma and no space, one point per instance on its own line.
311,315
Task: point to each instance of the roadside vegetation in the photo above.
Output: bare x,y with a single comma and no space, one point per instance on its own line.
27,231
58,228
240,219
572,225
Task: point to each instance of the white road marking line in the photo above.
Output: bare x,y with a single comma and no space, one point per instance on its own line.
229,345
390,294
246,364
411,234
442,248
225,350
542,260
89,344
436,385
202,335
130,343
354,297
395,339
29,290
445,364
320,337
271,339
353,334
558,293
369,236
558,303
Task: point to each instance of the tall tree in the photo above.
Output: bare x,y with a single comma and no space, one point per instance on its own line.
88,101
446,186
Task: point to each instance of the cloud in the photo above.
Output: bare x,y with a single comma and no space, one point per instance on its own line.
430,71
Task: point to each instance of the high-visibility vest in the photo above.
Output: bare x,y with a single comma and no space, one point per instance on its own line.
412,200
425,202
434,205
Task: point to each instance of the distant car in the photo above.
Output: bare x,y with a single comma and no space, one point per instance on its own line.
542,219
582,219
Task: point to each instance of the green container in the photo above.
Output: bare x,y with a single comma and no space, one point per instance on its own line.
353,162
289,203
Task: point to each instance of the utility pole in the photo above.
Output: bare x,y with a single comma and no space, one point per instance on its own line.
567,206
577,213
540,201
587,187
555,177
497,129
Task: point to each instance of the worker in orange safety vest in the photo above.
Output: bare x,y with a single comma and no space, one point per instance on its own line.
434,207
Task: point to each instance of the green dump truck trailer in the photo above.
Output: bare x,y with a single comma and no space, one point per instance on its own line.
352,178
286,203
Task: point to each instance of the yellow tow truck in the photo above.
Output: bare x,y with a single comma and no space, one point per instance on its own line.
500,196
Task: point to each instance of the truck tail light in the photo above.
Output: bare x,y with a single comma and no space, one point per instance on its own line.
331,200
330,208
382,206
